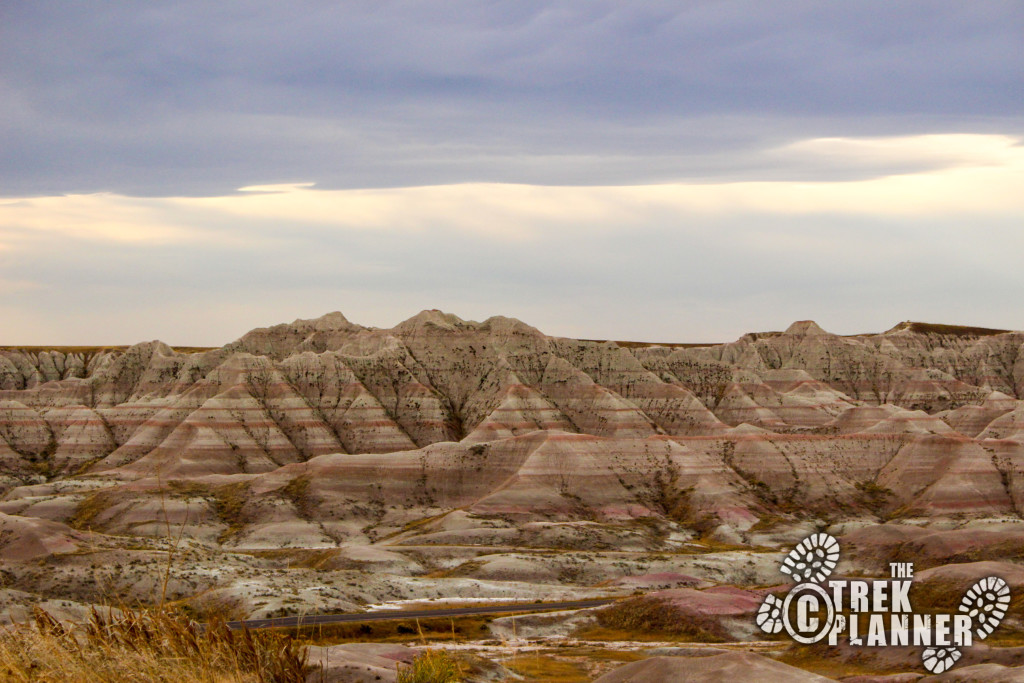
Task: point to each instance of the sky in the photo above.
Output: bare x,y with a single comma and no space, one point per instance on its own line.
655,171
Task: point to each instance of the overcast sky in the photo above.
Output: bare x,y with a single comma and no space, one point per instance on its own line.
661,171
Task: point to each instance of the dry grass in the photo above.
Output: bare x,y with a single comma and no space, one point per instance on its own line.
398,631
945,595
645,617
952,330
209,607
874,497
431,666
468,568
413,525
769,521
153,646
297,492
918,553
92,506
320,559
825,661
229,503
543,667
569,664
1005,638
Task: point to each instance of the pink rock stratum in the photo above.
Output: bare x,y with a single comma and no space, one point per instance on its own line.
463,460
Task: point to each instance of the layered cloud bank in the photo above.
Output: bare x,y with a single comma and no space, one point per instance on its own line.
195,170
932,243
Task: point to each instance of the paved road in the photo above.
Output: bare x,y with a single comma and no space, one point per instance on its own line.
392,615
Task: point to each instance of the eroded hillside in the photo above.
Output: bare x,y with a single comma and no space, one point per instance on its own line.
325,465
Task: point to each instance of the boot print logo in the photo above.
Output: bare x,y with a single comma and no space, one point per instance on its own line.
876,612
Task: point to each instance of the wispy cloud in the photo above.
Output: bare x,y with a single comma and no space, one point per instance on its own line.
963,174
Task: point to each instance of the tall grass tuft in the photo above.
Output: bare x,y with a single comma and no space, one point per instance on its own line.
431,666
157,646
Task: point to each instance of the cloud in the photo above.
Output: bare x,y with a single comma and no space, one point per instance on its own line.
98,217
683,261
201,98
974,174
651,170
977,174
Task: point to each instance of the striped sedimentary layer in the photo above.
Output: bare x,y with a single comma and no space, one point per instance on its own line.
501,421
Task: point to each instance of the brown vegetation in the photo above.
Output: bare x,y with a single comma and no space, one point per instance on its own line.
953,330
398,631
91,507
645,616
146,646
431,666
228,502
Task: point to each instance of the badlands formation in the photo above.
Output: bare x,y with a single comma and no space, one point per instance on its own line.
324,466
